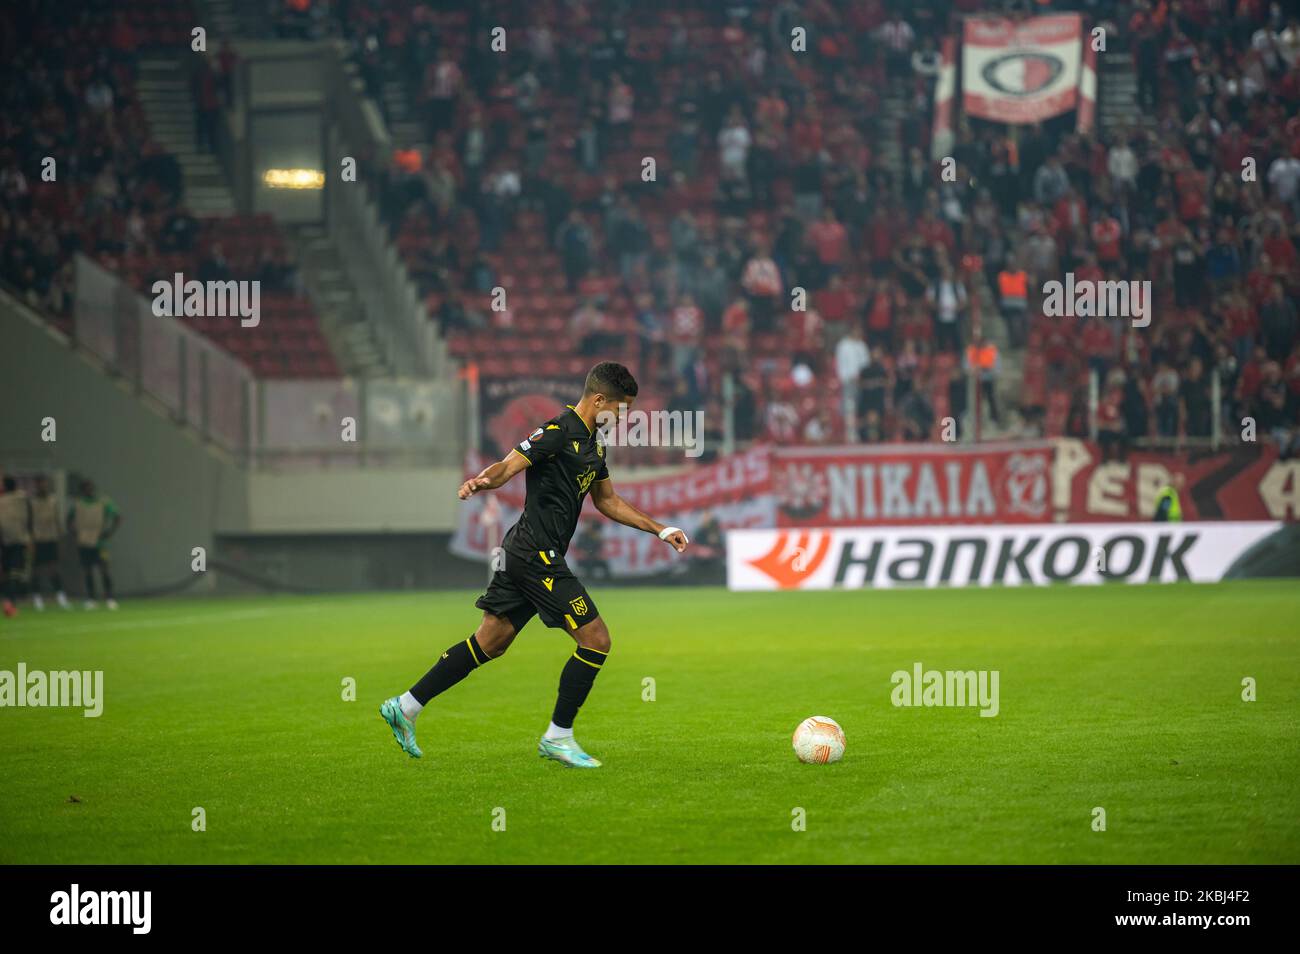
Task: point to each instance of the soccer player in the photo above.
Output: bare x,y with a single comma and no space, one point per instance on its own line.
1168,506
15,539
93,519
564,461
47,530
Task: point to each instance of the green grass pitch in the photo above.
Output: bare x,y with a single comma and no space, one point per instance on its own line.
1124,698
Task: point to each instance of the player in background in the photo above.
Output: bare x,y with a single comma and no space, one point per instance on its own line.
564,460
47,531
15,540
92,520
1168,506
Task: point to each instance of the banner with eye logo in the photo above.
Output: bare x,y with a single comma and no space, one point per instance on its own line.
1021,72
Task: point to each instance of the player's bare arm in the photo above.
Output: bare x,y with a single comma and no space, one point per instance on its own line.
614,507
493,476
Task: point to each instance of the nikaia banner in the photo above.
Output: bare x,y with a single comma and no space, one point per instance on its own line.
901,484
854,558
1027,483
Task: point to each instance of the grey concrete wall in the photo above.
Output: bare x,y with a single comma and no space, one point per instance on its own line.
175,493
343,562
383,500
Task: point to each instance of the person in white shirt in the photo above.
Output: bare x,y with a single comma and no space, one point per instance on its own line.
1284,179
733,146
1288,43
1122,164
948,297
851,358
897,36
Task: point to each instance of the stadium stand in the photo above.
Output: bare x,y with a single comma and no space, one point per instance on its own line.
772,172
121,201
526,175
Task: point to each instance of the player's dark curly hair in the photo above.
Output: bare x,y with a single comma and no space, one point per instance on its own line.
611,379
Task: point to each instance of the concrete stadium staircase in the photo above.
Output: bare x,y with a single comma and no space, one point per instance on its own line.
342,314
893,107
1117,105
166,96
404,125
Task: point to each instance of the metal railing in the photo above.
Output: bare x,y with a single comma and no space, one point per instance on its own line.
1214,440
271,423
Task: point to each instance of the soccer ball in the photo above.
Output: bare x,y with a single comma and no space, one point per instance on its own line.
819,740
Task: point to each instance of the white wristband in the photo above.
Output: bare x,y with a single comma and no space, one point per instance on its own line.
666,532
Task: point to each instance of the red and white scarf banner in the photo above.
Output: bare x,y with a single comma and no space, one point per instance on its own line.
1022,72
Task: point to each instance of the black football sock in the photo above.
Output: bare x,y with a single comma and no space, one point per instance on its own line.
576,680
90,584
456,663
108,582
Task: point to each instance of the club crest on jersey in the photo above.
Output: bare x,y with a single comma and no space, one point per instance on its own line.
579,606
584,480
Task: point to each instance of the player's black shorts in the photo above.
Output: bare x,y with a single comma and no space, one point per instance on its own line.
541,584
92,556
47,552
13,557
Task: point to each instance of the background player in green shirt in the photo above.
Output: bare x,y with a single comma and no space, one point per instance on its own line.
92,520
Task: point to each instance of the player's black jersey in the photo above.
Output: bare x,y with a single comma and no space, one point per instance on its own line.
566,459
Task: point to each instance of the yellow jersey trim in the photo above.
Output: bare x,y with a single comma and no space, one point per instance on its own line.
579,417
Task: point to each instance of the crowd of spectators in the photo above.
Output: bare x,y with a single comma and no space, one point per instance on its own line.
78,170
81,173
770,244
1200,199
770,178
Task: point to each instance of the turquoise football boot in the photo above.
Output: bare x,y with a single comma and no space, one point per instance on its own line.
566,751
403,728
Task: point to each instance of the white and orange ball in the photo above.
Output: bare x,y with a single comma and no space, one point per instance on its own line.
819,740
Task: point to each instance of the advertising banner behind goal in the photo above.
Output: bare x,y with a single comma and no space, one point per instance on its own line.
1012,555
1021,72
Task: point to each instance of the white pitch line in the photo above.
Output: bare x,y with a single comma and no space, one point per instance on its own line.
215,617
